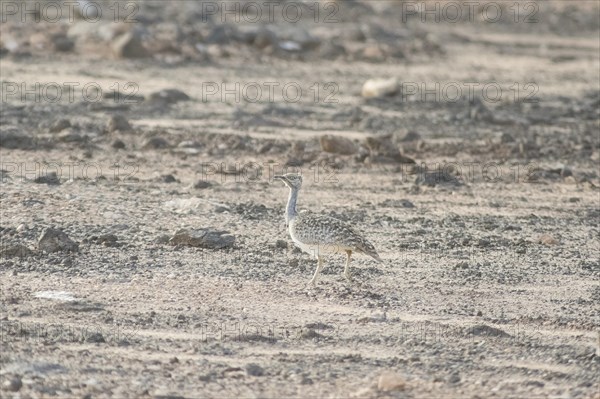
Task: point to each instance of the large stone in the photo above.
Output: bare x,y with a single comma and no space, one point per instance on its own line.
13,385
16,140
373,88
221,34
203,238
129,45
62,43
118,123
253,369
50,178
55,240
15,251
337,145
391,382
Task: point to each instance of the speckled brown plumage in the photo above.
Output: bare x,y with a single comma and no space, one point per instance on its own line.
318,235
314,229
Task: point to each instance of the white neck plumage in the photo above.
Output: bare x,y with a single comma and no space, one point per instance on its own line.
290,212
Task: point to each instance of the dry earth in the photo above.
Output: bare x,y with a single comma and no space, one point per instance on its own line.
489,286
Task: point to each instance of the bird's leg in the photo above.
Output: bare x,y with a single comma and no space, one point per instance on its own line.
313,281
347,268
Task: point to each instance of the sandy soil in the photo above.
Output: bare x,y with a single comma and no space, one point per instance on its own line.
489,285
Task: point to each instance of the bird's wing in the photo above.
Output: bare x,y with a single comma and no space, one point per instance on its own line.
321,229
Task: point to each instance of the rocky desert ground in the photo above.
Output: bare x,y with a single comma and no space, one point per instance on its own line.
144,247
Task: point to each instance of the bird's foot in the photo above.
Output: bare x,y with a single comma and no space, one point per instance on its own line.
348,277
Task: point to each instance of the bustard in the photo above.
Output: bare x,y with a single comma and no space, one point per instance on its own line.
319,235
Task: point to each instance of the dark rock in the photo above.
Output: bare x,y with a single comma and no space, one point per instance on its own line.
156,143
13,385
54,240
118,123
168,179
202,184
354,33
50,179
435,178
95,338
254,370
221,34
411,136
454,378
62,43
310,333
281,244
162,239
487,331
16,140
203,238
534,383
507,138
129,45
15,251
118,145
566,172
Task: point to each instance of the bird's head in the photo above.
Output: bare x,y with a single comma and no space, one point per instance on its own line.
292,180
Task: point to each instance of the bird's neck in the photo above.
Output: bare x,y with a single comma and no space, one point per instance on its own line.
290,212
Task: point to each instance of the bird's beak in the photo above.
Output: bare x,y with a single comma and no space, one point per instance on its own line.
282,178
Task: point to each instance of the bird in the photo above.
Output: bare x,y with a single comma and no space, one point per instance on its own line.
319,235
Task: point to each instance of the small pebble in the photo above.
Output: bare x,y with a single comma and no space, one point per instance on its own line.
118,145
14,384
254,370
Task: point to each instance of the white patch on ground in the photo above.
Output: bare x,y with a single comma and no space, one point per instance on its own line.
55,295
